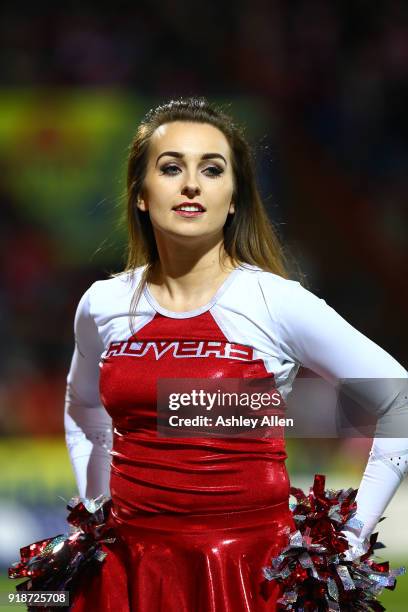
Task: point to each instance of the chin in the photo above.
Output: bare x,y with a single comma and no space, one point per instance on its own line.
193,233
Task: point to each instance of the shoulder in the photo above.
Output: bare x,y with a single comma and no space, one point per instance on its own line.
268,279
281,302
273,282
120,283
271,286
263,295
293,306
104,296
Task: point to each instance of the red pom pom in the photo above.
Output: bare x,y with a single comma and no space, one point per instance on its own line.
312,568
54,564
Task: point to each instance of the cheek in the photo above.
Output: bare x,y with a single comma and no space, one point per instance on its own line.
222,194
228,186
158,190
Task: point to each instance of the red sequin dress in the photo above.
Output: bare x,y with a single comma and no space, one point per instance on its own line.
196,519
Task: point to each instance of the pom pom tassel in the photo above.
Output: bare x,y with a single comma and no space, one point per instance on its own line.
313,569
54,564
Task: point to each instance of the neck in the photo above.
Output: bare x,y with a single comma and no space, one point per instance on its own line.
191,271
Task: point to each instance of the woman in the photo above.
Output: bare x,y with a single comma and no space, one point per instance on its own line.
208,297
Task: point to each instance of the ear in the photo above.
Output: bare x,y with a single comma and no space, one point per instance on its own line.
141,204
231,209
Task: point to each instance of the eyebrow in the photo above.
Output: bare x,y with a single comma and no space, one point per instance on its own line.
181,155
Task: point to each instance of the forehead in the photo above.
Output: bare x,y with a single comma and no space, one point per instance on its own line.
189,138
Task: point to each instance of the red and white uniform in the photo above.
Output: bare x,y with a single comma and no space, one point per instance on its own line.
199,518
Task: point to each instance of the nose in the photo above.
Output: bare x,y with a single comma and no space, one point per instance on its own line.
191,188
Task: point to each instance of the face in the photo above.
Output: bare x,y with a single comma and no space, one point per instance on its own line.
189,184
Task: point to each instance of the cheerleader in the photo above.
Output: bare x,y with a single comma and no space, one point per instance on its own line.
205,294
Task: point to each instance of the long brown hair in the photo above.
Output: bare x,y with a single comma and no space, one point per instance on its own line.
249,236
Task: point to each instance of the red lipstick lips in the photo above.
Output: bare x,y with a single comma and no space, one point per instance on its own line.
189,209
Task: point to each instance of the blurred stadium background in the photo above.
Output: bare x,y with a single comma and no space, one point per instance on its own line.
322,88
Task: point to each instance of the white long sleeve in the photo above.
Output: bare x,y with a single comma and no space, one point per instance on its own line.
88,427
316,336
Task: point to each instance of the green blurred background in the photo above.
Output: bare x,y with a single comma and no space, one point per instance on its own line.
322,90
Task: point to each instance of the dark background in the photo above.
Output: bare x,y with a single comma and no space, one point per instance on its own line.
322,89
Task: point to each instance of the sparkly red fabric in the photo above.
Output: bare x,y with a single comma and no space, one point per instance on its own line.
196,519
208,563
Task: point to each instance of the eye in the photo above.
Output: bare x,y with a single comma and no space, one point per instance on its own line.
213,171
170,169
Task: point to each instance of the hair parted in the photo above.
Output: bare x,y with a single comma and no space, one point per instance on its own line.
249,236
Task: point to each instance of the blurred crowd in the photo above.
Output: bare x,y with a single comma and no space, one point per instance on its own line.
332,161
